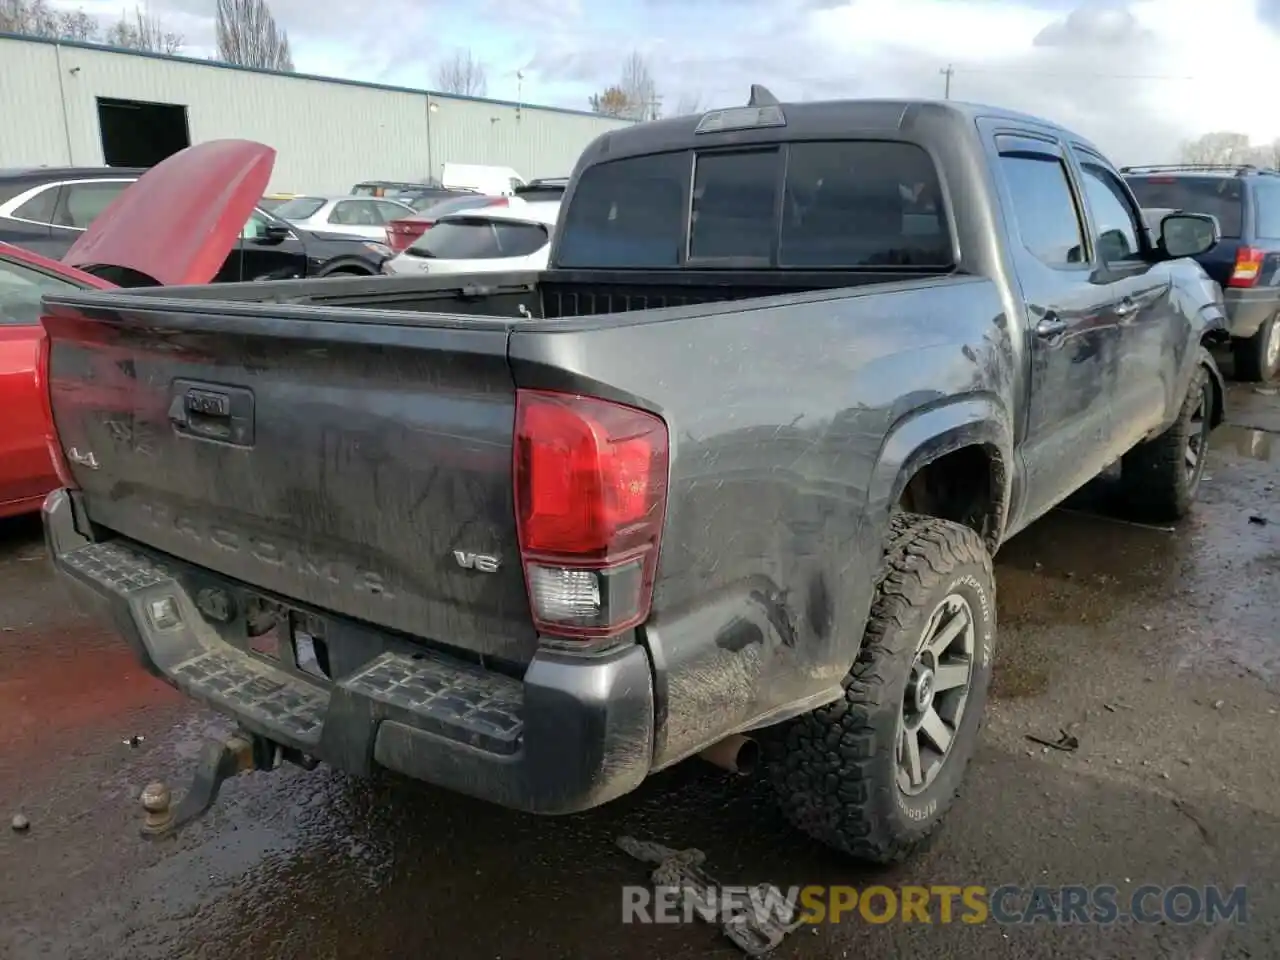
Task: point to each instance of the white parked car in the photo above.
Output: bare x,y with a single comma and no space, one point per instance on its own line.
487,240
346,215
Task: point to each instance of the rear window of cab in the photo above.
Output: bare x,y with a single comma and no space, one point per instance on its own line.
839,204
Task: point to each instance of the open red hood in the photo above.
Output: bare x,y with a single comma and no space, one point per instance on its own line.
179,222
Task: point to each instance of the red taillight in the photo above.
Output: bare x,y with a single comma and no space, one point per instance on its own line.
1248,267
591,494
402,233
499,202
43,387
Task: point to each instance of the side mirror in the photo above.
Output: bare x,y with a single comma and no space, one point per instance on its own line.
274,233
1189,234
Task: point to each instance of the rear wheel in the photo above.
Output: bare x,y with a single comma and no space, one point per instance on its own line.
1257,358
874,773
1162,476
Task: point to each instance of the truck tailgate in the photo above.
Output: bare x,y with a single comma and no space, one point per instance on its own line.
359,467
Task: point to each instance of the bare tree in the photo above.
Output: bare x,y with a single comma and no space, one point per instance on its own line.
143,31
35,18
249,36
462,74
638,86
77,25
1269,156
635,95
689,103
1222,146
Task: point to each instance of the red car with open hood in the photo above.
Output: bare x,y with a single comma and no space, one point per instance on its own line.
176,225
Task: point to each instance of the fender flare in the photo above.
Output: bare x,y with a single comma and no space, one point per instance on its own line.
925,435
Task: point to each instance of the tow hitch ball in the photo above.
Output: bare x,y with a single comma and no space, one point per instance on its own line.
220,760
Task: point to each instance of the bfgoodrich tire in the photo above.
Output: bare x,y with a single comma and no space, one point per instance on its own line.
1161,477
845,774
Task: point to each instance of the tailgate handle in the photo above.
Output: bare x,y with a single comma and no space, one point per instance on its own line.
210,411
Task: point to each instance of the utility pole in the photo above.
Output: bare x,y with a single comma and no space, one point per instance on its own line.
947,72
655,106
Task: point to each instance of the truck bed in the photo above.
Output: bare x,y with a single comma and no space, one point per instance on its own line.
354,461
553,294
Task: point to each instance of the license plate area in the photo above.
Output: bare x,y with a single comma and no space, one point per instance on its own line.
288,638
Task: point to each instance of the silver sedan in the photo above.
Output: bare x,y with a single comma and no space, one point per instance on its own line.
346,215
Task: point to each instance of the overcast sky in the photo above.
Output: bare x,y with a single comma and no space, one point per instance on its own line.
1138,78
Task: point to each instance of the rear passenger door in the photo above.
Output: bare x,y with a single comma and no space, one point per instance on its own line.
1070,337
79,204
50,220
1153,330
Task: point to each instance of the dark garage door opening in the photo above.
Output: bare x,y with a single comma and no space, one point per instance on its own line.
140,134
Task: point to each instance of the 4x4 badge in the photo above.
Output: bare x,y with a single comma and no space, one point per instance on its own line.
84,459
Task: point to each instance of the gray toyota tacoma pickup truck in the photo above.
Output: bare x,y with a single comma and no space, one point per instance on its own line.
726,479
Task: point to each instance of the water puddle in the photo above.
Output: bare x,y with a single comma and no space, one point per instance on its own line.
1247,442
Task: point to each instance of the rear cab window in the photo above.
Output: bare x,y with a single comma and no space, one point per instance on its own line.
1218,196
479,238
825,204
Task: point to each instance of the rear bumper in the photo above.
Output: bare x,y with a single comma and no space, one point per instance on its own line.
1249,309
574,733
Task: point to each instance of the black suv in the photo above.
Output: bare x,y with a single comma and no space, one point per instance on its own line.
1246,263
45,209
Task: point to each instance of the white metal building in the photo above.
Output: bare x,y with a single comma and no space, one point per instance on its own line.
60,103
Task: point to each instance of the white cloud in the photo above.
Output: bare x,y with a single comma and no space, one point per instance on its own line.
1136,77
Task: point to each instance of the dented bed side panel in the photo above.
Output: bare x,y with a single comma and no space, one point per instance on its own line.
778,417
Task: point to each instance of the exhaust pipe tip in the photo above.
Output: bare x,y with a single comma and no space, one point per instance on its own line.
735,753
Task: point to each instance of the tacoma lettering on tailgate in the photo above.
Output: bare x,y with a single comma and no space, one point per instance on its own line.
282,553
